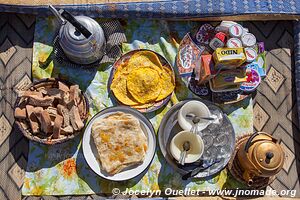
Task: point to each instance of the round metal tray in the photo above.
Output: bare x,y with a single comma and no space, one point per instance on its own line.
224,133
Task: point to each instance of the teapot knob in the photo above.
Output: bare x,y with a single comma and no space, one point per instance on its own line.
269,156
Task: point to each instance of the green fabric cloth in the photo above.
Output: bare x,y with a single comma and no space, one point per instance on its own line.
62,170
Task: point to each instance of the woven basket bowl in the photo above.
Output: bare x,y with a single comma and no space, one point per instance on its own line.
41,138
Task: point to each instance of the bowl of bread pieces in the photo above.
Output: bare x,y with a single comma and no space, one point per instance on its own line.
51,111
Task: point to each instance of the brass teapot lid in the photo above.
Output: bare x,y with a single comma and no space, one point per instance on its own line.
268,155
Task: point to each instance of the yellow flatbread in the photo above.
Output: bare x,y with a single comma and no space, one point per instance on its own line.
167,83
144,58
119,88
144,84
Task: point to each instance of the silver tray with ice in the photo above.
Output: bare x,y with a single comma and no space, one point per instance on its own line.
218,138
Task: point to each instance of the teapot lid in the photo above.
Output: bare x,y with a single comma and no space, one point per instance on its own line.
268,155
87,22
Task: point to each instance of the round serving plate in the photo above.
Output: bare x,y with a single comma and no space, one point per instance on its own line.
223,135
127,56
24,125
90,151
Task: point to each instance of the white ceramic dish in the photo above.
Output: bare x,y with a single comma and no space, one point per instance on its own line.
90,151
196,146
195,107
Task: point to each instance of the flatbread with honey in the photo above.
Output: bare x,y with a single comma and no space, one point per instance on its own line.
120,142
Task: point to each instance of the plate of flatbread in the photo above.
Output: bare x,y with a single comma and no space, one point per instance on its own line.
119,143
142,79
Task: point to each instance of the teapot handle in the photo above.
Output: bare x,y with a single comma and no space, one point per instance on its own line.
247,146
70,18
57,14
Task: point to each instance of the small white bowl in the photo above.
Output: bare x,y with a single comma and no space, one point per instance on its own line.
196,146
197,108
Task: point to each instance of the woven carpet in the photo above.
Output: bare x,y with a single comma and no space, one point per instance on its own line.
275,107
16,38
275,104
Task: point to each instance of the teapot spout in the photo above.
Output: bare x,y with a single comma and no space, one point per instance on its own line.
247,176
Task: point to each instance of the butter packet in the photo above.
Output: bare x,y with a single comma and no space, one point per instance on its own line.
228,80
229,58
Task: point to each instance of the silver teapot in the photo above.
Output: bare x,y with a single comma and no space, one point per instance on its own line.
81,38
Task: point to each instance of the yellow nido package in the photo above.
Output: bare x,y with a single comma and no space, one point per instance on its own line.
229,58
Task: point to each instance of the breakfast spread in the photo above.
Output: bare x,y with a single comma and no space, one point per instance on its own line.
141,80
52,112
253,80
227,52
120,142
248,40
196,134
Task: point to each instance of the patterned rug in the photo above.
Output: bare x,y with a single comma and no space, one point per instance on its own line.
275,108
16,37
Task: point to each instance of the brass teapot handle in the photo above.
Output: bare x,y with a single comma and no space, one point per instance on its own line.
247,146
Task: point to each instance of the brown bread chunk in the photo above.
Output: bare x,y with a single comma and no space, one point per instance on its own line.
54,92
20,113
38,112
40,101
67,130
75,119
65,98
63,87
46,122
33,121
29,93
63,111
74,94
52,112
57,126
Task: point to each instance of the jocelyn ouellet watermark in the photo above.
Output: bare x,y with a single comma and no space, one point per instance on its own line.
192,192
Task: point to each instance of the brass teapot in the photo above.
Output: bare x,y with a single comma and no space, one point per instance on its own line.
260,155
